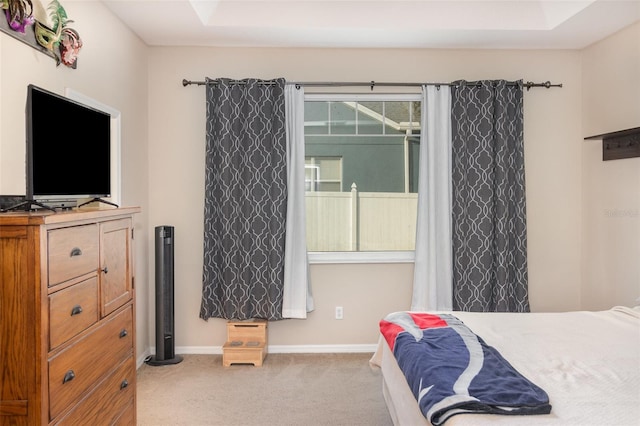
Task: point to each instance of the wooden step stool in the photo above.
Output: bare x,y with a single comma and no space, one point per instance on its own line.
246,342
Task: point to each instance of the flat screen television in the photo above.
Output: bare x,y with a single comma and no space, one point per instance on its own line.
68,150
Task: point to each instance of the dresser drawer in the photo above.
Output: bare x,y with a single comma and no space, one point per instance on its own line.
109,402
127,417
76,369
72,310
72,252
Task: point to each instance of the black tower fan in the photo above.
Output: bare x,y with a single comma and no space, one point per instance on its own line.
165,327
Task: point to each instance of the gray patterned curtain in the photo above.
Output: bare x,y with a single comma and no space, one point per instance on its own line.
245,200
488,198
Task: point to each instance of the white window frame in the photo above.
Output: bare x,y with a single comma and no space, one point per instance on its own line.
352,257
339,257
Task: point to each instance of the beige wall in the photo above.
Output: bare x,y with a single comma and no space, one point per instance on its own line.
553,139
112,69
611,189
569,190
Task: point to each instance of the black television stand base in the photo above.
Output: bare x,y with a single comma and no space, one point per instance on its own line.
98,200
27,205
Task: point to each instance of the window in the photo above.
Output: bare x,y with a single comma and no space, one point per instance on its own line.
362,156
323,174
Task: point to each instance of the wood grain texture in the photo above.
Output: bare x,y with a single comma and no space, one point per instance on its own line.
72,310
115,270
17,337
72,251
115,391
90,359
40,341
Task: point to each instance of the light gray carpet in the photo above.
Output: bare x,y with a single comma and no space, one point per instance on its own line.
289,389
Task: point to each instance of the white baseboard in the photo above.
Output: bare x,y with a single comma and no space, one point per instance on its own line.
273,349
147,353
321,349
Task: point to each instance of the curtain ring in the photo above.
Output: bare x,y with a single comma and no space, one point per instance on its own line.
373,83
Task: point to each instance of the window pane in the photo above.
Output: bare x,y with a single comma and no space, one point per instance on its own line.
342,118
414,162
331,169
316,116
323,173
329,186
362,174
369,118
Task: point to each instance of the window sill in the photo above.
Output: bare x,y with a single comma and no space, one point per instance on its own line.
361,257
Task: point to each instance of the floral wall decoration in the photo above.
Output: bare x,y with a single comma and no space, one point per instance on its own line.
44,25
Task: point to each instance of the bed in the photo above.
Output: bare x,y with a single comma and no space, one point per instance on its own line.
588,363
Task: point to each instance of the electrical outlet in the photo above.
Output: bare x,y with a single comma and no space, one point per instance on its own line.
339,312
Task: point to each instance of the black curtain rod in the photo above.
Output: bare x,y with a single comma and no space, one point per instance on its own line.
371,84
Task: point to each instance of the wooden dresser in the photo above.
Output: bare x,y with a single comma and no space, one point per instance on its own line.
67,318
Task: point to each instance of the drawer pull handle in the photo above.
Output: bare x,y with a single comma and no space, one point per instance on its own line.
105,270
75,252
123,333
76,310
124,384
69,376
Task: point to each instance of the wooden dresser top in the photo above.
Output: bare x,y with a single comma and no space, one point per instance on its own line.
45,217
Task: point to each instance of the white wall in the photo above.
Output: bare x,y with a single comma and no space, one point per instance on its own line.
112,69
553,140
611,204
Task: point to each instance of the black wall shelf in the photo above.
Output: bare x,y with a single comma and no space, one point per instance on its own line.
620,144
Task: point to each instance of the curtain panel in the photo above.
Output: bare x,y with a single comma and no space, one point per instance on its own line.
489,242
297,298
245,200
432,285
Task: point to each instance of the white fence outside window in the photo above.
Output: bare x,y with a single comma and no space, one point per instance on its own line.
361,221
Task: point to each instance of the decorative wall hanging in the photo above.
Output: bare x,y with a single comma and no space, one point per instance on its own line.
44,25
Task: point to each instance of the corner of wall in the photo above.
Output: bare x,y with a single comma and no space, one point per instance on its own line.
610,189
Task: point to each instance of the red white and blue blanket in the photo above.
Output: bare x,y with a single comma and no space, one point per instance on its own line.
451,370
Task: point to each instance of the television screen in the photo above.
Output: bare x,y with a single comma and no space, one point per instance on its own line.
68,148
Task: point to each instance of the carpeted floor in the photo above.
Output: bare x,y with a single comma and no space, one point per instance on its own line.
289,389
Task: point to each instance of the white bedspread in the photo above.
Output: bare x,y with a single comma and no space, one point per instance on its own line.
587,362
